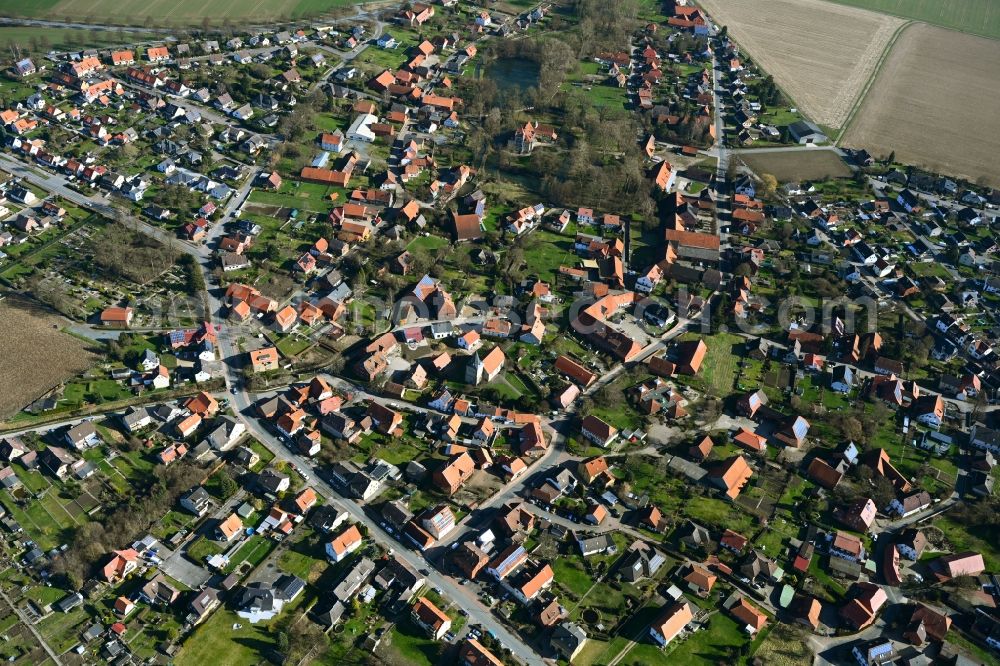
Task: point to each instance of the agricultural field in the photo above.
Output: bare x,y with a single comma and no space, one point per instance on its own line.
820,53
173,12
980,17
804,164
40,40
35,355
935,85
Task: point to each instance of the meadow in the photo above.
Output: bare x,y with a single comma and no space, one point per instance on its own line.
169,12
979,17
804,164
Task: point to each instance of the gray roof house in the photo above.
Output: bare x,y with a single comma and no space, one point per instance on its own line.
804,131
568,639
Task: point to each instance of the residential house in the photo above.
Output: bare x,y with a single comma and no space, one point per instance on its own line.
430,618
344,544
671,622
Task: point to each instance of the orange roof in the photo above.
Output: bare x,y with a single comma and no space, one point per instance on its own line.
286,316
331,139
458,470
437,100
385,79
734,474
157,52
673,620
694,355
595,466
537,582
494,361
189,423
116,314
701,578
598,427
203,403
693,239
231,526
318,175
305,499
264,356
599,513
574,370
749,439
430,614
748,614
411,209
467,227
474,654
242,309
346,539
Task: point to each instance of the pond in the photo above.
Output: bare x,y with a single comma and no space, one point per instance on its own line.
511,73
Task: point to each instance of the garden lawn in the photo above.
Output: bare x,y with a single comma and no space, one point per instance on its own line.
413,646
718,371
570,574
972,537
216,642
202,549
545,251
253,551
705,646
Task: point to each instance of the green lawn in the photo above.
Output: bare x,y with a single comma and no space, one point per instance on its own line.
45,595
971,537
293,345
568,573
710,645
34,521
253,550
718,371
545,251
429,243
168,12
216,642
413,646
713,511
818,571
61,630
40,40
299,563
202,549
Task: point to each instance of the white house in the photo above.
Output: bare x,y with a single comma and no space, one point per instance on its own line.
360,129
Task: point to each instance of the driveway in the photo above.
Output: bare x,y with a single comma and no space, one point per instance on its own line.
184,570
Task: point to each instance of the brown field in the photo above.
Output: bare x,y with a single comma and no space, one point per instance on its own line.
35,355
802,164
820,53
935,102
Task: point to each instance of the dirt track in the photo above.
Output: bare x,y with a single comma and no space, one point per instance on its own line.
935,102
820,53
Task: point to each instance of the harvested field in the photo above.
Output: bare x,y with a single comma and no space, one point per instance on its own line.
35,355
935,103
820,53
803,164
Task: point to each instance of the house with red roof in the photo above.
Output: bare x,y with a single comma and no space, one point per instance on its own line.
122,563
